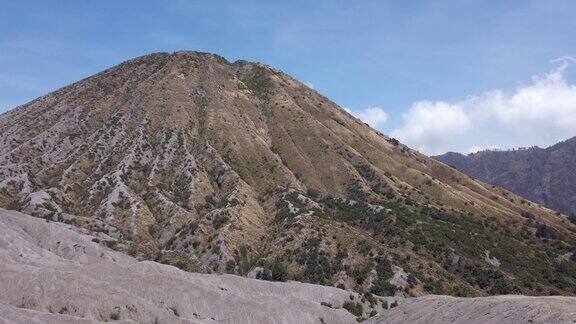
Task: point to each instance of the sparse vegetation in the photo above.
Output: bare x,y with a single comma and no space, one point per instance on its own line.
355,309
273,271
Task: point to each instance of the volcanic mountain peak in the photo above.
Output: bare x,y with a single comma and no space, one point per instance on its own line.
190,160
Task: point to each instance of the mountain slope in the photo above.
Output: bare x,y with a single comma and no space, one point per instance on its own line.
212,166
546,176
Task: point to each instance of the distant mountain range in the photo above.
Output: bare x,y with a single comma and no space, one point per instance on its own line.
546,176
235,167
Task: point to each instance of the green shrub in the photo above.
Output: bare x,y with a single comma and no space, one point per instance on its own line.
230,266
355,309
273,271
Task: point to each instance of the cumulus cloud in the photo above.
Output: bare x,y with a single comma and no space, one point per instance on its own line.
431,126
373,116
541,113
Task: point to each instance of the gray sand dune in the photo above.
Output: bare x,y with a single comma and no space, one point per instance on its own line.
495,309
53,273
50,268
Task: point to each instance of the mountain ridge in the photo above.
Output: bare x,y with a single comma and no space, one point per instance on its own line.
543,175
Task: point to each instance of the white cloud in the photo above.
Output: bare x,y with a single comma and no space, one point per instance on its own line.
430,126
541,113
373,116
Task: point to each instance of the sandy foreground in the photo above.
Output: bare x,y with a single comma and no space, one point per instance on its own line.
53,273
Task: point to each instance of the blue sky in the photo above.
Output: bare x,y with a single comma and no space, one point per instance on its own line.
392,56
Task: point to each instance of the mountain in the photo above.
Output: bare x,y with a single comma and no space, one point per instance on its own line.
546,176
84,282
190,160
